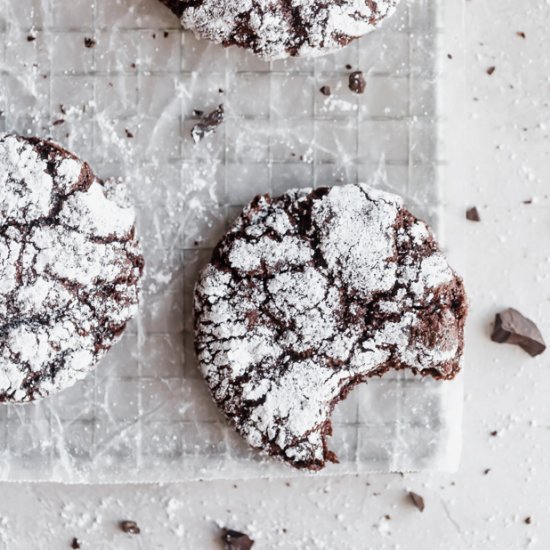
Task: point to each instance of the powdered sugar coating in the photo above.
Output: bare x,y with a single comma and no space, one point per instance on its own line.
311,293
69,268
275,29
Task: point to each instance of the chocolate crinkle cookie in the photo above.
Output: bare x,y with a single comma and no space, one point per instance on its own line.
275,29
69,268
312,293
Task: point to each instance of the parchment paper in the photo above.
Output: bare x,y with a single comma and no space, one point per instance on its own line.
126,105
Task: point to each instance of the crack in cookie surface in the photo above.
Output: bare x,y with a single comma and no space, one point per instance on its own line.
69,268
275,29
311,293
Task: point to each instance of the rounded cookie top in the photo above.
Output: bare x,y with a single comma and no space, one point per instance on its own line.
311,293
69,268
275,29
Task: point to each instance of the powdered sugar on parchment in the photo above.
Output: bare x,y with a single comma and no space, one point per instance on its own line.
69,269
311,293
276,29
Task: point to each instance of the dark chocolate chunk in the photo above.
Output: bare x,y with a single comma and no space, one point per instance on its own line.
325,90
417,500
528,520
31,38
130,527
491,70
75,544
234,540
511,327
207,125
357,82
472,214
90,42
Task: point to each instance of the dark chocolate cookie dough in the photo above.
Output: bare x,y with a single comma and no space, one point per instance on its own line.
275,29
69,268
312,293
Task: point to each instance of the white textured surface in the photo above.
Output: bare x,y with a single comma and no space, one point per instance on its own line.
507,264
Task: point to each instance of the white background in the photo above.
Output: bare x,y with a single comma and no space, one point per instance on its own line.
503,148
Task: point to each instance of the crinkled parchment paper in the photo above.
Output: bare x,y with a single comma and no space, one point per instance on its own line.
126,103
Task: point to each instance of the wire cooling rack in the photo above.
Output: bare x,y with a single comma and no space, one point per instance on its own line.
120,84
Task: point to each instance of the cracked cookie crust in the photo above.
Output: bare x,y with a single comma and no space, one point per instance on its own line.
69,268
312,293
276,29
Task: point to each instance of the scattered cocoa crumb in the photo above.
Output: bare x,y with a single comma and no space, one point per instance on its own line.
528,520
58,122
233,540
357,82
90,43
198,113
528,201
166,34
521,34
348,67
417,500
62,109
494,433
31,38
208,124
325,90
449,56
75,544
491,70
133,66
130,527
486,471
128,133
472,214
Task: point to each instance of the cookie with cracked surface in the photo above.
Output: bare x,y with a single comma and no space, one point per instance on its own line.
308,295
276,29
70,268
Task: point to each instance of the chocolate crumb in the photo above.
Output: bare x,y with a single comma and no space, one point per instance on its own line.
417,500
31,38
130,527
62,109
58,122
325,90
90,43
234,540
348,67
166,34
449,56
491,70
207,125
472,214
128,133
511,327
357,82
528,520
198,113
486,471
521,34
528,201
75,544
494,433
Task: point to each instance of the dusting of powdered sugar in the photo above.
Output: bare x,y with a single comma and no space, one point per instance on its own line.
275,29
69,269
311,293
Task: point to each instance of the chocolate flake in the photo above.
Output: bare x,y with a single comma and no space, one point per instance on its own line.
207,125
90,42
31,38
486,471
325,90
58,122
130,527
521,34
234,540
491,70
472,214
417,500
511,327
75,544
129,134
357,82
528,520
